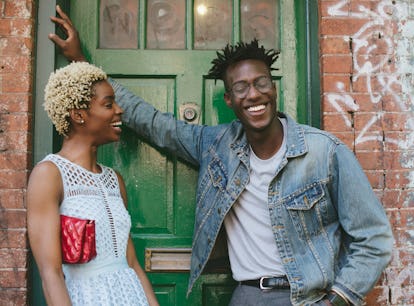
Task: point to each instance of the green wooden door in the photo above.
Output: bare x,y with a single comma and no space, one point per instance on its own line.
162,51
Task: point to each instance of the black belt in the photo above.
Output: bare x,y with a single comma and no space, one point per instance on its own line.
265,283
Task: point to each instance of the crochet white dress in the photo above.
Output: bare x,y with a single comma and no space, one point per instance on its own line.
107,279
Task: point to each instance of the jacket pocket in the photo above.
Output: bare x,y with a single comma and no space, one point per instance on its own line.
307,208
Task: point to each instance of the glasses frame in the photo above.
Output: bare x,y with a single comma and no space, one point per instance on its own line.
243,92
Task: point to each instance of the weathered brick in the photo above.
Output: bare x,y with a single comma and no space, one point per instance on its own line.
10,219
13,238
16,103
336,83
16,278
376,178
15,141
369,141
397,121
371,160
9,84
18,9
367,122
337,64
340,26
14,297
397,198
337,122
12,198
396,179
11,179
11,258
335,45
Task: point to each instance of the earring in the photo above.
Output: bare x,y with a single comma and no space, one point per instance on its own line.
82,121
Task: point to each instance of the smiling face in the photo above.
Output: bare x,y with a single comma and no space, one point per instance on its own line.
257,110
103,117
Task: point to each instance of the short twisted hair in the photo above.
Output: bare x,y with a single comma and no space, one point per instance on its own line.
230,55
70,87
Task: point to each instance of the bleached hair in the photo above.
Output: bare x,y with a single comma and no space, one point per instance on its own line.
70,87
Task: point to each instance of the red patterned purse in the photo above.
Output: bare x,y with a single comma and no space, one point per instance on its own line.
77,239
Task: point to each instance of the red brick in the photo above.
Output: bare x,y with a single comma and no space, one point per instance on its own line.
13,279
15,103
399,160
401,219
390,104
335,45
15,122
367,103
9,84
336,83
337,64
15,64
369,141
367,122
13,238
372,42
376,178
338,103
325,8
11,258
396,140
396,121
346,137
396,198
15,141
13,179
12,198
377,296
15,219
367,84
18,9
17,297
396,179
16,46
343,26
371,160
337,122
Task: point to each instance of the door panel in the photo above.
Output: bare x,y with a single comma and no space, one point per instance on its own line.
162,50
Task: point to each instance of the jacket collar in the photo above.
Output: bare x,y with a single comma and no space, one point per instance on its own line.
295,143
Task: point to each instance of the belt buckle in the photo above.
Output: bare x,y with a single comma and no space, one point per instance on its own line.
261,284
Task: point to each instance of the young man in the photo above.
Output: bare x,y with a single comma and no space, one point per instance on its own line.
302,222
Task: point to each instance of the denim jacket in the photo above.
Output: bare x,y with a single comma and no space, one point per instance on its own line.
329,227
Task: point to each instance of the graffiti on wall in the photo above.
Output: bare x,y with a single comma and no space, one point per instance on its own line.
397,47
385,40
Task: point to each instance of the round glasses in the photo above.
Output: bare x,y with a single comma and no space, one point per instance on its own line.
263,84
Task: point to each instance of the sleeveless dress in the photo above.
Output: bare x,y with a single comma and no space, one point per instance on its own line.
107,279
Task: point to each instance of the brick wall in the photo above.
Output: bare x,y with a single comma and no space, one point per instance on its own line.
16,57
367,65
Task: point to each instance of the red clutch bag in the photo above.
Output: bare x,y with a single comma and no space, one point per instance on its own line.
77,239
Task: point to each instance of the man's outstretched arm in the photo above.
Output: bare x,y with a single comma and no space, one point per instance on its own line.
71,47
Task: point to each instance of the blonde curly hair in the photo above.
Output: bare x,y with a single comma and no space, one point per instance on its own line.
70,87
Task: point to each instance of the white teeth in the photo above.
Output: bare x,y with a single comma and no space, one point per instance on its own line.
117,123
256,108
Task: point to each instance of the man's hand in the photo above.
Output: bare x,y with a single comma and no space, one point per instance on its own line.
70,46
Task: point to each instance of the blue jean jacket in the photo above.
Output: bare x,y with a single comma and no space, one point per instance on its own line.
329,227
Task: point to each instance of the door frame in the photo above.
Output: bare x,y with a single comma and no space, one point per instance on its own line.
308,75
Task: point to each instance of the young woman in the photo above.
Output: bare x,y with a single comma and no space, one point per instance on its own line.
81,104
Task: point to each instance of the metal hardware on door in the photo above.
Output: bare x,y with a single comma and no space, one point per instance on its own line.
190,112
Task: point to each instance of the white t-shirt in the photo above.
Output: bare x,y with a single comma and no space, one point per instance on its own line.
252,247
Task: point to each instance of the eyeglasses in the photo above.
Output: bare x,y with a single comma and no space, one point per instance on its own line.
263,84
